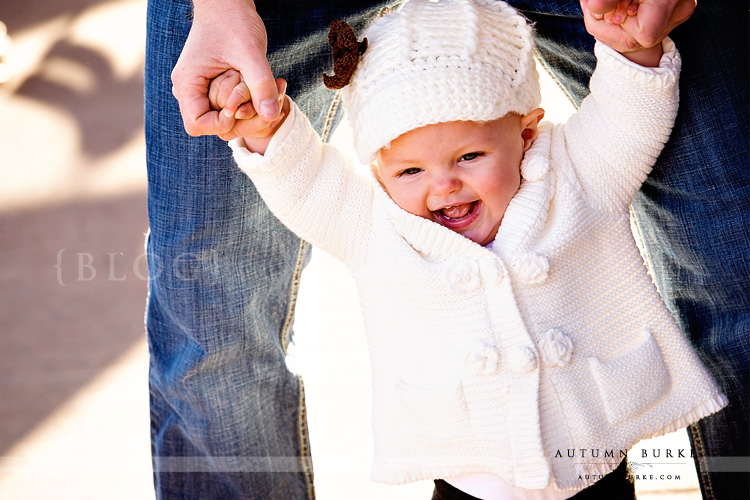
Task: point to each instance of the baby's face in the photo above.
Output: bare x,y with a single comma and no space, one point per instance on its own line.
461,175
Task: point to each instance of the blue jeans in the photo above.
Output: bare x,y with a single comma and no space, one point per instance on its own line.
228,417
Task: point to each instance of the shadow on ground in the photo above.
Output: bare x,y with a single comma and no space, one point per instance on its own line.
72,275
73,285
108,112
21,14
79,79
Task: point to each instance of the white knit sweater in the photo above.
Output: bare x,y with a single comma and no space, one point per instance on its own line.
502,360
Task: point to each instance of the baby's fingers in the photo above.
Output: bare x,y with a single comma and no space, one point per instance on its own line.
621,12
221,87
633,9
240,94
256,127
247,110
598,8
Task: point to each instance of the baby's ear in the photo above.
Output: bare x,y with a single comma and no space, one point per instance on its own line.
374,168
529,127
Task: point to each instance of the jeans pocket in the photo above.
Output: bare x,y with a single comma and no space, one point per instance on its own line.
631,384
434,416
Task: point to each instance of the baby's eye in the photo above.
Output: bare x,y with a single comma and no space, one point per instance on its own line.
410,171
470,156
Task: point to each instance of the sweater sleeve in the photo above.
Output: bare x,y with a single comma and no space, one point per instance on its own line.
312,188
620,129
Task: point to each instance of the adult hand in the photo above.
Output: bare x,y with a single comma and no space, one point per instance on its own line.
225,34
229,90
654,20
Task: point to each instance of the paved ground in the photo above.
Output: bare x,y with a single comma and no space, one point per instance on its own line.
73,398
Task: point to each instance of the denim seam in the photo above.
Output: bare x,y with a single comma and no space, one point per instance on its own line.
387,8
305,454
302,431
703,477
299,264
329,116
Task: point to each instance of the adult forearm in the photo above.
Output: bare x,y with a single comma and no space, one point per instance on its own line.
213,4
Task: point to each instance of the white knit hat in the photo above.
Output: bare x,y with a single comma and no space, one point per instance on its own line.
440,61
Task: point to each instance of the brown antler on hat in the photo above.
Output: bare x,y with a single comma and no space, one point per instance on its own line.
346,52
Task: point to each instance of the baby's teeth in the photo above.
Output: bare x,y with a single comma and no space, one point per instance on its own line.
456,211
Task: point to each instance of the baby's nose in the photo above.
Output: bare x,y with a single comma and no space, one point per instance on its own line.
444,183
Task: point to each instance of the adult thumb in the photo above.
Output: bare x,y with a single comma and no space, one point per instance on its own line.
263,91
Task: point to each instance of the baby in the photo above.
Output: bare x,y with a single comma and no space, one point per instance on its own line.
509,315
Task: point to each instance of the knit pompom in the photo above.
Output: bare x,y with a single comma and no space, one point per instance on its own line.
556,348
522,360
532,268
483,359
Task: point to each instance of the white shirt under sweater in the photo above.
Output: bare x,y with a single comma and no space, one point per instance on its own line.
500,361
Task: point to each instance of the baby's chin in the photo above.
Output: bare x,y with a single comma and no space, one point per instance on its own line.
471,225
484,241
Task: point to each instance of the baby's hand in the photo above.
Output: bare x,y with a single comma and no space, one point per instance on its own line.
612,11
606,21
229,94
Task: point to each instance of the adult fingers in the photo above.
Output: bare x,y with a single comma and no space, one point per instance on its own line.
262,87
195,108
247,111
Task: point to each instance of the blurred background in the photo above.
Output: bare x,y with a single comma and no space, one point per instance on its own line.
73,279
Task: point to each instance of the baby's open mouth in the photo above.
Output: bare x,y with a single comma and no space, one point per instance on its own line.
458,216
457,211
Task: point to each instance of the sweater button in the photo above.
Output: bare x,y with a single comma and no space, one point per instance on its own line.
555,347
483,359
492,271
463,274
532,268
522,360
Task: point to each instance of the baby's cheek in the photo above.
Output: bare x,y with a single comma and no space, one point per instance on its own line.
410,202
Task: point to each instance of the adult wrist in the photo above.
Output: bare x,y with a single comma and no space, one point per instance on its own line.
200,6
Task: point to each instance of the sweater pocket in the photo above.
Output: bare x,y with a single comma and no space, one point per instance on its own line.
631,384
435,416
